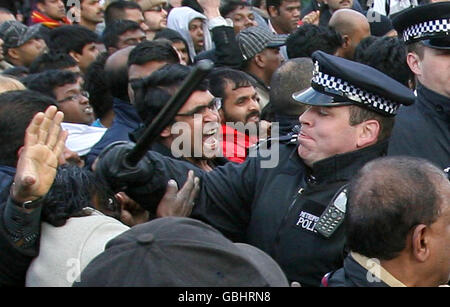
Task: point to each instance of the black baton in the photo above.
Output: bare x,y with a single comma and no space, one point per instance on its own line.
166,115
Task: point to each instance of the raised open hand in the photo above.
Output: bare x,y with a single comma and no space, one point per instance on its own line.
38,159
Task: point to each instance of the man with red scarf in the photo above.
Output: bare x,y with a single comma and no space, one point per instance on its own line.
50,13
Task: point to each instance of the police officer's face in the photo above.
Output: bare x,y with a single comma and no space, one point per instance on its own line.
325,132
433,70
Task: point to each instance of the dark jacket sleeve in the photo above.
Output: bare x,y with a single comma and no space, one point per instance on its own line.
227,52
15,259
225,195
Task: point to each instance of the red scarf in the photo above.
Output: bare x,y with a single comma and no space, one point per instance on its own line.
38,17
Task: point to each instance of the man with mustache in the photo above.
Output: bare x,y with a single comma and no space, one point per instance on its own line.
193,136
91,14
240,112
277,206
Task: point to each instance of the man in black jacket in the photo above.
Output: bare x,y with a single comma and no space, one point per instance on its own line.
423,130
398,235
274,201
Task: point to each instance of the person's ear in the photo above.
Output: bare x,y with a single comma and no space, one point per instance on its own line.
13,53
414,63
260,60
75,55
346,41
40,7
368,132
166,132
420,246
272,11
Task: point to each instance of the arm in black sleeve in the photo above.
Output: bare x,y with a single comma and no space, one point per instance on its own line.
19,242
226,47
225,195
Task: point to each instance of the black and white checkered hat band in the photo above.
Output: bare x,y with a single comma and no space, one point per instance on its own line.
355,94
427,28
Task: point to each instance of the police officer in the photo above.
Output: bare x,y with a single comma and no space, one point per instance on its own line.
276,205
423,130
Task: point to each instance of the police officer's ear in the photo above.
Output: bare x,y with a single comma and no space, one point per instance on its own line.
420,247
368,132
414,63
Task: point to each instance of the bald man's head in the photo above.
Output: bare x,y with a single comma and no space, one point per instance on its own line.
116,69
292,76
353,27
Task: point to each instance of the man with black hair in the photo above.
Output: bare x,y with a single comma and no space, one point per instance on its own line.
127,10
178,42
24,105
77,41
240,114
66,88
122,33
423,130
398,235
124,66
20,207
240,12
309,38
275,202
50,13
100,97
53,60
193,135
91,14
387,54
284,15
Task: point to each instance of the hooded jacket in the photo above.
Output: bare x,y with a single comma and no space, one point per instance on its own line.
179,19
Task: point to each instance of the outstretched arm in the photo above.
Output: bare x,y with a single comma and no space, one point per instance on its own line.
38,160
36,169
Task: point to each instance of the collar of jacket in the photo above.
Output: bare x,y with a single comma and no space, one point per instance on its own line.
126,113
258,81
433,102
344,166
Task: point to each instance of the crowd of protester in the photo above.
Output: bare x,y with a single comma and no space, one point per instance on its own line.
314,150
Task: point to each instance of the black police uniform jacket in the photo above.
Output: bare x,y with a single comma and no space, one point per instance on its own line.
423,129
274,209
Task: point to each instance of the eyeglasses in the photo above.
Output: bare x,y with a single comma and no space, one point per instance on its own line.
214,105
75,98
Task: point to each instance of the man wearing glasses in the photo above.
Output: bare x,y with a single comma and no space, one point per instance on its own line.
66,88
194,134
155,15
